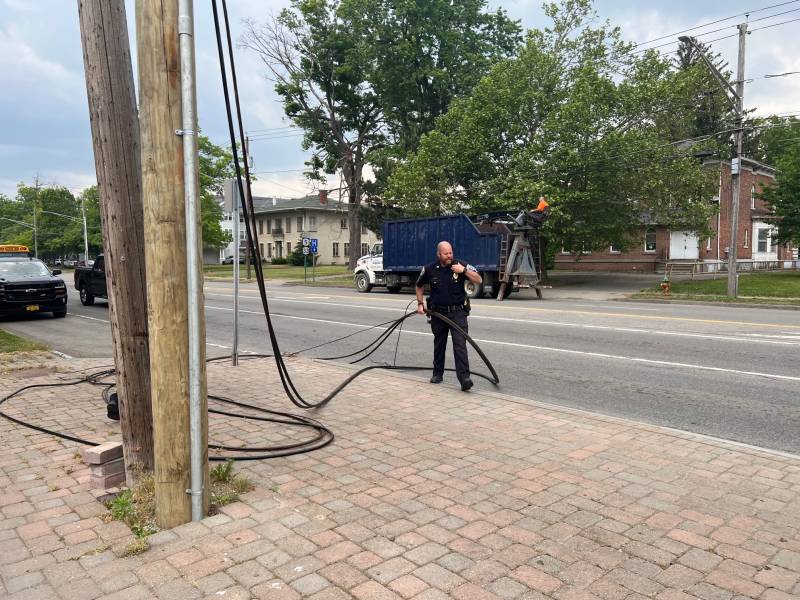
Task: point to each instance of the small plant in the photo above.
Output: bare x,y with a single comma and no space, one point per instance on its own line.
122,507
137,546
222,473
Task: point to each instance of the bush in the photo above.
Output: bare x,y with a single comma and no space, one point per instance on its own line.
279,261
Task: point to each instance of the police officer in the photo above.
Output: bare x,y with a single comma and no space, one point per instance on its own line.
446,277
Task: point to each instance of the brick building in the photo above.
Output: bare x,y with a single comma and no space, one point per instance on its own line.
755,237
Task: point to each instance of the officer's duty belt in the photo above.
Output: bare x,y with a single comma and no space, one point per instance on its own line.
447,308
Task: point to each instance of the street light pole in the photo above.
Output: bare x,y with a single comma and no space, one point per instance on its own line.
736,99
85,235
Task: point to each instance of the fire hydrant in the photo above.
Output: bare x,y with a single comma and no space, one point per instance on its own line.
665,284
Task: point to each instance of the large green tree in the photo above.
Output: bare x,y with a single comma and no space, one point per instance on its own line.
780,146
575,116
215,165
365,78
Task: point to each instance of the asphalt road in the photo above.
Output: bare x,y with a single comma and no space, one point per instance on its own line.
724,371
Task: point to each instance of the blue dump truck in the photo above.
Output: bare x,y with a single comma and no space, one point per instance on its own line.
487,243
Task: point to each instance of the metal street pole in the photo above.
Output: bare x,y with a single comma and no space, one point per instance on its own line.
85,233
35,236
235,351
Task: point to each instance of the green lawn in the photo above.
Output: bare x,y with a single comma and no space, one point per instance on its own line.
340,281
13,343
275,271
781,286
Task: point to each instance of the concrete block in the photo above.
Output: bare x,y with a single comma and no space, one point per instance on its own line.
109,468
107,481
97,455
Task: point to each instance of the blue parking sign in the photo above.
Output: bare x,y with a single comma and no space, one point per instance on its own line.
314,245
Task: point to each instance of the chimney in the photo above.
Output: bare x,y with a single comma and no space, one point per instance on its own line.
323,197
274,201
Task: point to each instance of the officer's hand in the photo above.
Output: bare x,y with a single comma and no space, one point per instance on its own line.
458,268
420,309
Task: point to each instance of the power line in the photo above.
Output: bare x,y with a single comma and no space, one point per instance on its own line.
776,24
750,12
771,76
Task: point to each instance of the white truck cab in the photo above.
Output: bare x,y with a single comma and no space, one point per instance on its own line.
369,269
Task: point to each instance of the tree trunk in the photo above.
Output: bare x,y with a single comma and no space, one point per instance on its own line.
354,198
165,233
115,137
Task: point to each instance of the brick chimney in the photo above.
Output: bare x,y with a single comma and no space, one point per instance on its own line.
323,197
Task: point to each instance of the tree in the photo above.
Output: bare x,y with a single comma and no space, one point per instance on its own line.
216,165
572,117
365,79
784,195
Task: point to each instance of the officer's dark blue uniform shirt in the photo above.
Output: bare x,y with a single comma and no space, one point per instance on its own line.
447,287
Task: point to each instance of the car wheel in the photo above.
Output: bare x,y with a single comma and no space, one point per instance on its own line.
362,283
86,298
473,290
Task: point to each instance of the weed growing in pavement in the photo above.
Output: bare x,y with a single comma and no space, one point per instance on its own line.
226,486
137,546
137,507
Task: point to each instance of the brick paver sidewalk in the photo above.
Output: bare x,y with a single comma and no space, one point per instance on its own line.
427,493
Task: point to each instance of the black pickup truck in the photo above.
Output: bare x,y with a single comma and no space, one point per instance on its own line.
91,281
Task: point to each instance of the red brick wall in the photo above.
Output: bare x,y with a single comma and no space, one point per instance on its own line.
634,260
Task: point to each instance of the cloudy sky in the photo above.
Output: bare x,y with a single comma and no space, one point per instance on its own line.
44,122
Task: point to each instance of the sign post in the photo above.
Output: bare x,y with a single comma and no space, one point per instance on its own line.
313,248
305,259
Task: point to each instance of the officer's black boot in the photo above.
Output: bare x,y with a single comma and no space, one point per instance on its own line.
466,384
436,378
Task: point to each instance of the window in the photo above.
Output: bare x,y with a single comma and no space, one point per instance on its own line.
613,249
346,249
279,249
288,226
269,250
708,244
343,223
336,248
312,223
364,249
650,240
242,234
564,250
763,240
288,247
261,249
299,224
269,225
753,196
746,238
364,230
260,226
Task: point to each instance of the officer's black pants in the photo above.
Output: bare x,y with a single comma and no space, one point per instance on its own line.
440,330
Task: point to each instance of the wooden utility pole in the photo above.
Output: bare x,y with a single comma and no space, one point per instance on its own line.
736,167
115,136
165,252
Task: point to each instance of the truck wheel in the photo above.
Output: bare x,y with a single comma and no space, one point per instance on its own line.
393,289
473,290
86,298
362,283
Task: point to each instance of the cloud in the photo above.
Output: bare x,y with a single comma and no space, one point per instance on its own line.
34,78
23,6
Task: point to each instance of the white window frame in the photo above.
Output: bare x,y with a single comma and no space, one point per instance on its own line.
655,240
612,250
746,239
753,196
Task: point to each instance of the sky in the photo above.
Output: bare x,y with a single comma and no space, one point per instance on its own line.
44,119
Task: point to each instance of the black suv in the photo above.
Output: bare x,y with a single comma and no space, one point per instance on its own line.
27,285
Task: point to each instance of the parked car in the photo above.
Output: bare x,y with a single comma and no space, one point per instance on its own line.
229,260
91,281
27,285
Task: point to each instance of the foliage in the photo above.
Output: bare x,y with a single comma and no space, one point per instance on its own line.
278,260
757,285
570,117
364,79
136,507
784,195
297,258
215,166
222,472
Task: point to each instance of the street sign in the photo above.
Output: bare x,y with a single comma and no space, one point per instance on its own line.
314,245
306,241
305,250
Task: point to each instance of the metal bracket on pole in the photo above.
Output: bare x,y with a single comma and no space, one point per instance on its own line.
184,132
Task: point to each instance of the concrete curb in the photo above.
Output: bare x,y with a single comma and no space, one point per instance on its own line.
707,303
